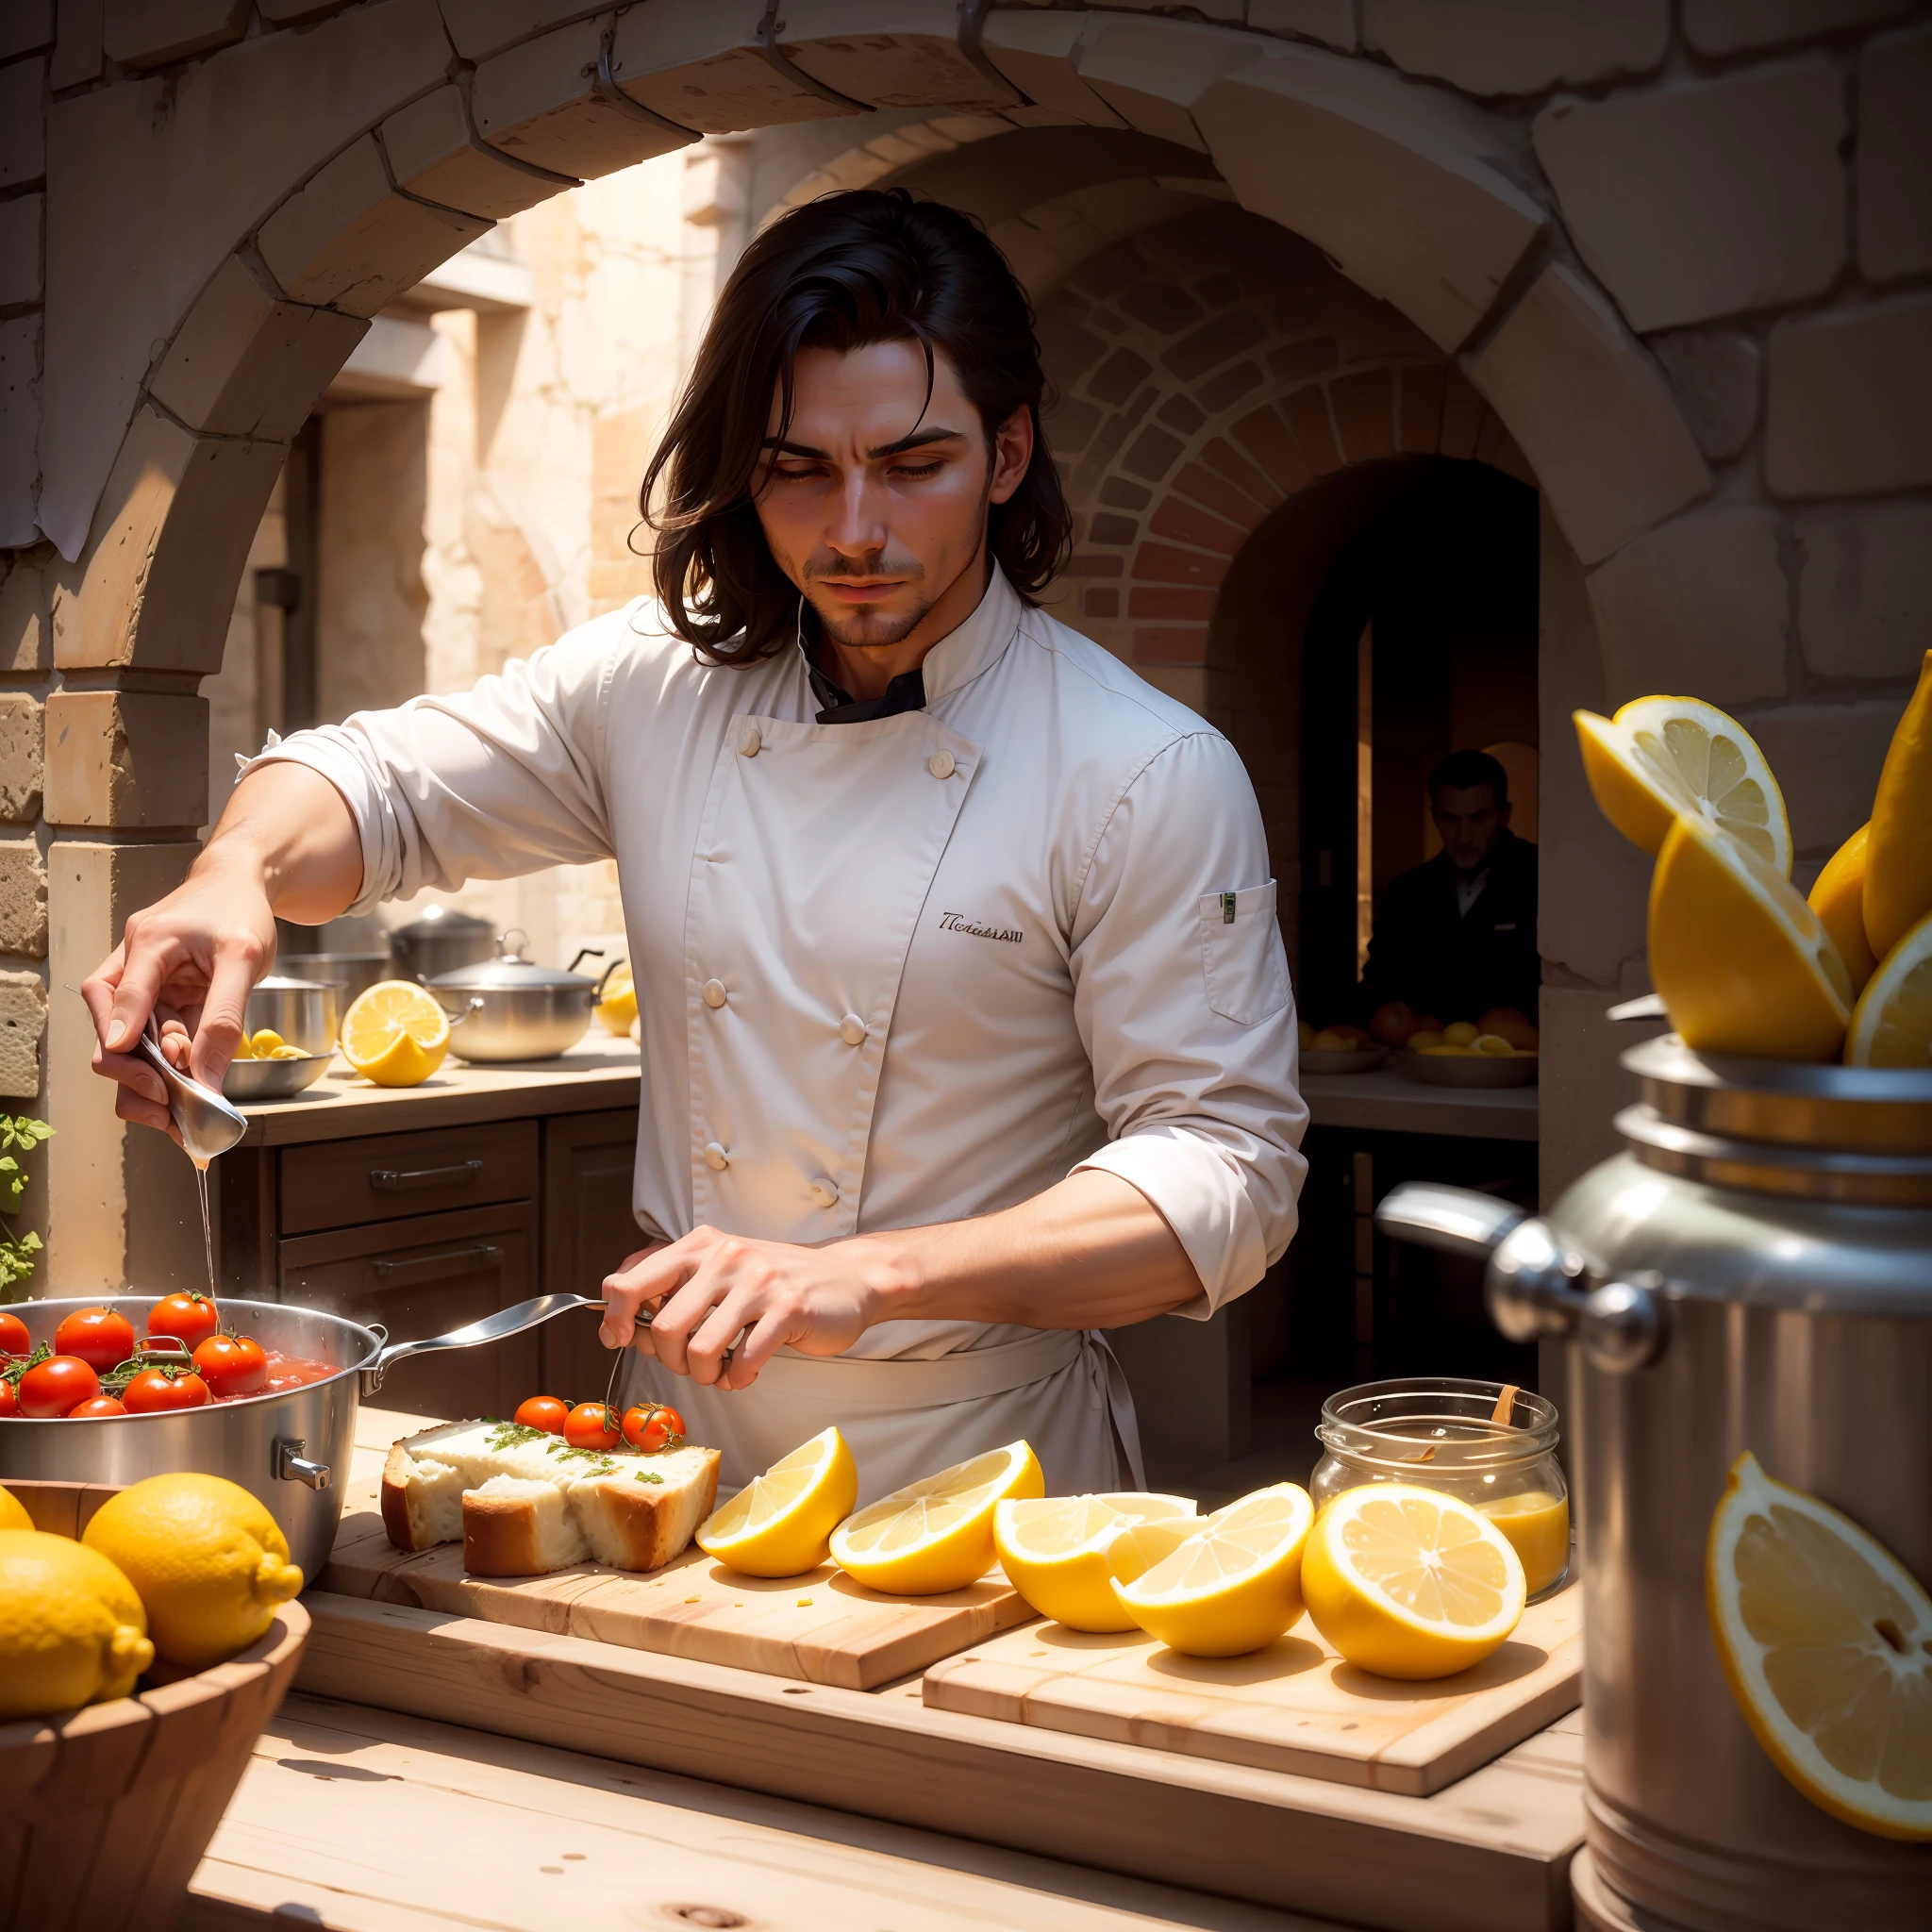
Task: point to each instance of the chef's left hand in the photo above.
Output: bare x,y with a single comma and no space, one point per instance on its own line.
711,1287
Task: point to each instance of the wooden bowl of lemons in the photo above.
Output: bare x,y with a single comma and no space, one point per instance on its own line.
144,1757
1468,1053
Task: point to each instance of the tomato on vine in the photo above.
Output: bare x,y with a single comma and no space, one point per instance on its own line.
188,1315
590,1425
56,1386
232,1365
155,1392
546,1412
651,1426
102,1339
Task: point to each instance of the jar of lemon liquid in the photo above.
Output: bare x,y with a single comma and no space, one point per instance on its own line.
1492,1446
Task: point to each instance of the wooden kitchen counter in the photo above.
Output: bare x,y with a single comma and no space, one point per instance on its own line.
599,1072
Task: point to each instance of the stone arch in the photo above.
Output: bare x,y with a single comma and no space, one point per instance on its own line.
226,222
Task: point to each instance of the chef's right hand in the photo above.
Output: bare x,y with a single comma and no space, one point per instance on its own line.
191,959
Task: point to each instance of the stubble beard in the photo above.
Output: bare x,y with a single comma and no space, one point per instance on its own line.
859,630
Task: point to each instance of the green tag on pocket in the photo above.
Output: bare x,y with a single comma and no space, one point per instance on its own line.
1227,908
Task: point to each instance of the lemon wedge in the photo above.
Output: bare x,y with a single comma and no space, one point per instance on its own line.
1234,1584
937,1534
1062,1552
1743,964
1891,1024
1663,758
394,1034
1407,1583
781,1523
1898,865
1826,1640
1839,900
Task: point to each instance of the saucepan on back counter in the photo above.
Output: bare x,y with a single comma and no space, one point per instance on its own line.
288,1445
511,1008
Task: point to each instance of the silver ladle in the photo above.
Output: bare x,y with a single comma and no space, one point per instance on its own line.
209,1124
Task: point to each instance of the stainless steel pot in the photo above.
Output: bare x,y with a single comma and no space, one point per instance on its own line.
439,941
304,1011
1755,1272
292,1449
512,1008
349,973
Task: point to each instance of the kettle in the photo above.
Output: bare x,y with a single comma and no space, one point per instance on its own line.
1754,1272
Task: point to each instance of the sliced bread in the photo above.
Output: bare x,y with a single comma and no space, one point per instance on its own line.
523,1505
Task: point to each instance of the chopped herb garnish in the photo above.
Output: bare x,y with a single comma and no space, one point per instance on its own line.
563,1451
507,1434
647,1475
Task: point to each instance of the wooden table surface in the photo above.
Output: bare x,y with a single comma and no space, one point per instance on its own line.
599,1072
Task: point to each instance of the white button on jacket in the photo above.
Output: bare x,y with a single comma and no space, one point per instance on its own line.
1067,955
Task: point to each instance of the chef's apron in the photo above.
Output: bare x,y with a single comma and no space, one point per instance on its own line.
814,859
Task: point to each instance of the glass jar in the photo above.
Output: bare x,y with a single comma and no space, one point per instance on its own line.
1440,1433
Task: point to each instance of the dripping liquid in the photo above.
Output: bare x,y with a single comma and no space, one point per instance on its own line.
207,1234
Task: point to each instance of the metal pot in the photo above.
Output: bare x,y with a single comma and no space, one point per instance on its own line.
350,974
291,1450
439,941
513,1009
1753,1273
305,1013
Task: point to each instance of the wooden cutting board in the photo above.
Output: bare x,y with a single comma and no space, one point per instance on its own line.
821,1627
1294,1707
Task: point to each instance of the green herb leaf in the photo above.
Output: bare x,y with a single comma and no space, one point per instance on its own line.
507,1434
647,1475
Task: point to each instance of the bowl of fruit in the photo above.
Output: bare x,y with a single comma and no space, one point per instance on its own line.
147,1636
267,1067
1500,1049
1343,1048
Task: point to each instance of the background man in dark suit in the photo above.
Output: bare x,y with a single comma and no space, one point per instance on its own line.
1456,936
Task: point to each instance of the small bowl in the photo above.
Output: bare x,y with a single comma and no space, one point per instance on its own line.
1360,1059
1471,1070
248,1080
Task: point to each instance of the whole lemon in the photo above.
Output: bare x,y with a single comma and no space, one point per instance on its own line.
207,1559
13,1512
72,1629
618,1005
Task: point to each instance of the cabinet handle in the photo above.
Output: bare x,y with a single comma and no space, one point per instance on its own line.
434,1267
388,1180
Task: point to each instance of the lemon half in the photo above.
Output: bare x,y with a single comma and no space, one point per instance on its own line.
1826,1640
781,1523
1409,1583
1663,758
1898,863
1743,964
1062,1552
1891,1024
1234,1584
395,1034
936,1535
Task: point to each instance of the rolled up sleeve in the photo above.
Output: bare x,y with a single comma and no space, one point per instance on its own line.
491,783
1181,994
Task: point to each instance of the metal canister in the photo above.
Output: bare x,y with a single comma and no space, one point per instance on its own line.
1753,1273
439,941
305,1013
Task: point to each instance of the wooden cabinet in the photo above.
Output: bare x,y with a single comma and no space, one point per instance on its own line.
588,1160
387,1176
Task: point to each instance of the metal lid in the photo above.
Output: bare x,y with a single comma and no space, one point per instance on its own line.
1767,1167
510,969
280,982
1828,1109
438,921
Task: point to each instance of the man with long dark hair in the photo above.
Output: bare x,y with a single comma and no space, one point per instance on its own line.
965,1019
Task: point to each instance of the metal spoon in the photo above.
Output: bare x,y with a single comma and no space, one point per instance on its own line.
209,1123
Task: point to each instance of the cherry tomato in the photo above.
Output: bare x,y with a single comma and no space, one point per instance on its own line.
189,1316
153,1391
97,1405
99,1337
590,1425
57,1387
546,1412
232,1365
13,1335
9,1402
651,1426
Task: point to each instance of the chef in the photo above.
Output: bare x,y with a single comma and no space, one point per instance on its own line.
966,1025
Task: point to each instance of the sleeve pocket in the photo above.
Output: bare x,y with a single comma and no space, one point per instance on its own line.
1241,959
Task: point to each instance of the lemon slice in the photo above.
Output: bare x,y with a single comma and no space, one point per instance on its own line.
1663,758
1826,1640
1839,900
1743,964
1231,1586
1891,1024
936,1535
1898,866
395,1034
1059,1552
781,1523
1409,1583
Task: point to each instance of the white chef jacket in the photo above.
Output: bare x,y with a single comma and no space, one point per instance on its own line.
890,974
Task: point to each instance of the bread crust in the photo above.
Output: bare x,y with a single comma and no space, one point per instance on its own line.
655,1524
500,1536
395,1498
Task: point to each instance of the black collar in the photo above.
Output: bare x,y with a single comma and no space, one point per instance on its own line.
906,693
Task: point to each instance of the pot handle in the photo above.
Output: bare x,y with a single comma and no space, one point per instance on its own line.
1535,1290
504,1322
